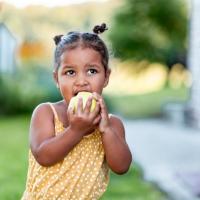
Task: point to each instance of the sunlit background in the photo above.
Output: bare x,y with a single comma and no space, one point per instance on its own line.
148,44
148,52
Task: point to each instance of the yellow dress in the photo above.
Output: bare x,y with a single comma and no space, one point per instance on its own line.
82,175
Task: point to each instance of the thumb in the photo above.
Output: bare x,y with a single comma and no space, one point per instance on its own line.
70,110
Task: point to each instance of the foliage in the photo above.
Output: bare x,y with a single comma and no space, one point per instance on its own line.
146,105
137,77
22,91
35,26
13,167
131,186
155,30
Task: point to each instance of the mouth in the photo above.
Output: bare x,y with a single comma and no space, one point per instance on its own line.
75,93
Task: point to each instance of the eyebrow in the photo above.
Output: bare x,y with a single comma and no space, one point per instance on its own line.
87,64
93,64
69,66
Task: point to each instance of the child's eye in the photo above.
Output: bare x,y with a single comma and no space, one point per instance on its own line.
92,71
70,72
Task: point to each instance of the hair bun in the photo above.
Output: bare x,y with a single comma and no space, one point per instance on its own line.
57,39
100,29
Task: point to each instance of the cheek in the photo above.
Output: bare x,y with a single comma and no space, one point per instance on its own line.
99,84
64,85
66,93
64,81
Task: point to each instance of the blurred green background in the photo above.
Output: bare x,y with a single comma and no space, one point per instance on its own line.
147,41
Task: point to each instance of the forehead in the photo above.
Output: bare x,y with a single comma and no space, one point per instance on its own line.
81,55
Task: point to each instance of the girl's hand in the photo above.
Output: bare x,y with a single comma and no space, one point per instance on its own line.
83,121
104,123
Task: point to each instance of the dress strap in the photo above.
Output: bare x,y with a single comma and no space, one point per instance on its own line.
54,111
58,124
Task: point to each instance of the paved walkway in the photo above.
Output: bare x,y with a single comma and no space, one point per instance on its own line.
169,154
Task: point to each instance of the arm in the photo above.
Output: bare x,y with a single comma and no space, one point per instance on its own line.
118,155
117,152
48,148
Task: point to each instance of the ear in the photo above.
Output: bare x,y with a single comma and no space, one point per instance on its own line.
108,71
55,77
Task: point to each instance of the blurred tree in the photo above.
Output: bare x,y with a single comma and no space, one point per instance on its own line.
155,30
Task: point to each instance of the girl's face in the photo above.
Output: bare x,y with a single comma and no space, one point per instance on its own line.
81,69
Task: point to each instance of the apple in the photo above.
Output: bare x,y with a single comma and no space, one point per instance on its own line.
84,95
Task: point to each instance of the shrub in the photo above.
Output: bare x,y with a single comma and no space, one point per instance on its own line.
22,91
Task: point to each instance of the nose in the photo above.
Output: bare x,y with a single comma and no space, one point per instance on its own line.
81,80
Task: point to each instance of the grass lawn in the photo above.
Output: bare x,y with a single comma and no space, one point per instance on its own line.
147,105
131,186
13,167
13,157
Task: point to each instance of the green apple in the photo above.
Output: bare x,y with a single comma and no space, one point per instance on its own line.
84,95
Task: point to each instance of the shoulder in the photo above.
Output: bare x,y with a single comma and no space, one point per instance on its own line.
43,111
41,126
117,124
42,120
42,108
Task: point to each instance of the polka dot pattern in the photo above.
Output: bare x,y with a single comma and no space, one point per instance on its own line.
82,175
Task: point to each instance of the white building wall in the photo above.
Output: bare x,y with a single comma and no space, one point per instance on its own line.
194,63
7,50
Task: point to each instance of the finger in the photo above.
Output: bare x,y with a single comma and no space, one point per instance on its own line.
104,112
88,105
103,106
70,109
80,105
96,111
97,120
100,99
96,95
70,112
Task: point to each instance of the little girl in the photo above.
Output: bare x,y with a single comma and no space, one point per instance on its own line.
72,151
